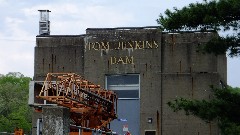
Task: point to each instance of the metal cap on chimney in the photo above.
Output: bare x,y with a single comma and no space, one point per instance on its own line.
44,23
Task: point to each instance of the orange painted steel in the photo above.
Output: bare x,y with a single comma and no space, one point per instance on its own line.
89,104
18,131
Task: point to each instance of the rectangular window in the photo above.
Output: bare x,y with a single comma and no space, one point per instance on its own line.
150,132
126,86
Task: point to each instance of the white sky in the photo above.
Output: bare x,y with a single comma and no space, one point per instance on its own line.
19,25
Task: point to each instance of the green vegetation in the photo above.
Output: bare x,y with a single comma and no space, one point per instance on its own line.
225,108
209,15
215,15
14,109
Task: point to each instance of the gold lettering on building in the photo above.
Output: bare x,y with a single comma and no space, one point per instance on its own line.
148,45
105,46
98,46
121,60
121,45
155,43
138,45
131,44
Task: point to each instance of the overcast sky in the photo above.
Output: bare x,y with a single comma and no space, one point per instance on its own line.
19,25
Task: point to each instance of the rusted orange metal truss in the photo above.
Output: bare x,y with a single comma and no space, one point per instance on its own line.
89,104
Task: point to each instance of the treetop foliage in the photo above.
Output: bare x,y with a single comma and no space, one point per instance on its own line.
212,15
219,45
14,109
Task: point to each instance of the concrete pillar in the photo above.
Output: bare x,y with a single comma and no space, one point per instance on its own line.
56,120
35,117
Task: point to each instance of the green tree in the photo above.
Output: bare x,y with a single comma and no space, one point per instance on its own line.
213,15
224,107
14,109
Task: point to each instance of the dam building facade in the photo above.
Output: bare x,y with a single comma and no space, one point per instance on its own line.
145,67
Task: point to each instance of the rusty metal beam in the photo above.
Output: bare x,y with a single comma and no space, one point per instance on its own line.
87,102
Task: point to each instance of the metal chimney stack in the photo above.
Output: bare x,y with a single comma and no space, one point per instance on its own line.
44,23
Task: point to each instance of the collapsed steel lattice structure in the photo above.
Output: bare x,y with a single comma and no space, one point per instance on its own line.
89,104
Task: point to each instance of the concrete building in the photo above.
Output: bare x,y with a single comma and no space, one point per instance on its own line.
146,67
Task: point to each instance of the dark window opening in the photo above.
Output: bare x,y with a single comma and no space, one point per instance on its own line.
126,86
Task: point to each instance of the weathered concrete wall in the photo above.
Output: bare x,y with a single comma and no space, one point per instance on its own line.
170,69
56,120
187,73
143,48
58,54
181,53
169,66
191,86
35,117
222,67
123,46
